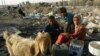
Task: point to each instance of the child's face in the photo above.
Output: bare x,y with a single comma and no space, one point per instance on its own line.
62,14
50,21
76,21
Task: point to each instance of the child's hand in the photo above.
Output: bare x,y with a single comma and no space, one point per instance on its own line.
64,33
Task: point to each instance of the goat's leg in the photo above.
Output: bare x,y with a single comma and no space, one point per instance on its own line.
9,47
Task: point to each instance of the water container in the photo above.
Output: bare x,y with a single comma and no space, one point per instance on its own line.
76,47
60,50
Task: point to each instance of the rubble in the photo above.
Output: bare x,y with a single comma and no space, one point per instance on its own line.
35,21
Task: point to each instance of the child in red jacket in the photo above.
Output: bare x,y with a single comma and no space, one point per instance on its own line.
79,33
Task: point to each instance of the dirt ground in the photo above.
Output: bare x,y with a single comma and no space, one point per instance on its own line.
21,24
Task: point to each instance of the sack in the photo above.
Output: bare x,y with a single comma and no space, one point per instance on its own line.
60,50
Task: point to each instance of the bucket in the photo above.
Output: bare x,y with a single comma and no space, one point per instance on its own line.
76,47
94,48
